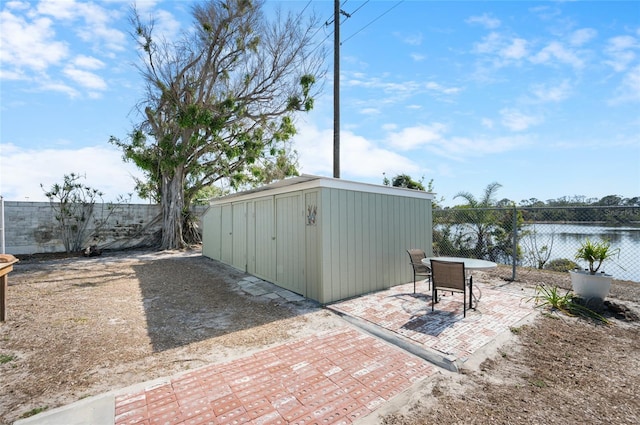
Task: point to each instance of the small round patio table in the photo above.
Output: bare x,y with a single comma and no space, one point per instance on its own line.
469,263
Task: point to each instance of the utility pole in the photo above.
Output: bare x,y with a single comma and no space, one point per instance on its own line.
336,89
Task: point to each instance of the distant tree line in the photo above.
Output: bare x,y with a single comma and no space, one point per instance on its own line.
611,209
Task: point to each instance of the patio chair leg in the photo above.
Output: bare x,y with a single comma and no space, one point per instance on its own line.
471,292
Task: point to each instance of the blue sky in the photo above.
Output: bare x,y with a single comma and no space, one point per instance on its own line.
541,97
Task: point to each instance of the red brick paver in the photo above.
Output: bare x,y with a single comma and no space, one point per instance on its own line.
332,378
400,311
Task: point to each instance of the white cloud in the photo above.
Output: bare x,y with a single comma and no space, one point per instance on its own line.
97,21
418,57
517,49
555,51
29,44
463,148
58,87
389,126
487,123
85,78
88,62
582,36
433,86
629,90
504,50
32,49
489,44
359,157
485,20
620,51
395,91
103,167
413,137
517,121
166,24
362,158
413,39
58,9
552,93
370,111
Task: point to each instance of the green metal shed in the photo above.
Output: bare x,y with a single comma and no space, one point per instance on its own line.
326,239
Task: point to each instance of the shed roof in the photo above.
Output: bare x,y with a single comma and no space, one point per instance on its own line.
308,181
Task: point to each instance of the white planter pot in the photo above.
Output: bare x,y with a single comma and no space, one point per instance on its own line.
590,286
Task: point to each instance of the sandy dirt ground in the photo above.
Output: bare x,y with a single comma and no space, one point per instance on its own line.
82,326
556,370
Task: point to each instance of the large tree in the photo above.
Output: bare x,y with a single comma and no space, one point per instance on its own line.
219,102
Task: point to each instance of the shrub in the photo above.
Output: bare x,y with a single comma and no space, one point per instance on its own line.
561,265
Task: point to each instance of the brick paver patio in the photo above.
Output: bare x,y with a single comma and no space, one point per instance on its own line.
330,378
400,311
335,377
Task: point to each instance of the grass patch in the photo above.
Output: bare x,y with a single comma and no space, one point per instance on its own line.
33,412
551,299
538,383
6,358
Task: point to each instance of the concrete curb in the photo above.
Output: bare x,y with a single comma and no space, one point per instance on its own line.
438,359
95,410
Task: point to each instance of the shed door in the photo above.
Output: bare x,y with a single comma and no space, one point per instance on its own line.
211,236
290,254
226,235
265,240
240,236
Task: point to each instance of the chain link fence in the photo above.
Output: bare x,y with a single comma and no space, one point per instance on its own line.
539,237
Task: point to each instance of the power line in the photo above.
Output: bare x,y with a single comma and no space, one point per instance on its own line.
371,22
360,7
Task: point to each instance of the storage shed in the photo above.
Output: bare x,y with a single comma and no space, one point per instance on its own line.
326,239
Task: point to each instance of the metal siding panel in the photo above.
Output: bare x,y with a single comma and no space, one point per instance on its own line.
334,229
251,237
327,245
348,236
211,235
265,244
343,234
368,241
358,252
428,223
226,229
312,253
384,238
240,236
413,241
289,246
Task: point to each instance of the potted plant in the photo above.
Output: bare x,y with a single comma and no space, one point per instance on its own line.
588,284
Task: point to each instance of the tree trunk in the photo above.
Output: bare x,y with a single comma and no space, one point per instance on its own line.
172,206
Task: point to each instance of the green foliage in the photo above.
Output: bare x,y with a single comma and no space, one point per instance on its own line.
551,299
605,210
73,204
516,330
404,180
220,106
481,231
6,358
595,253
33,412
561,265
206,193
